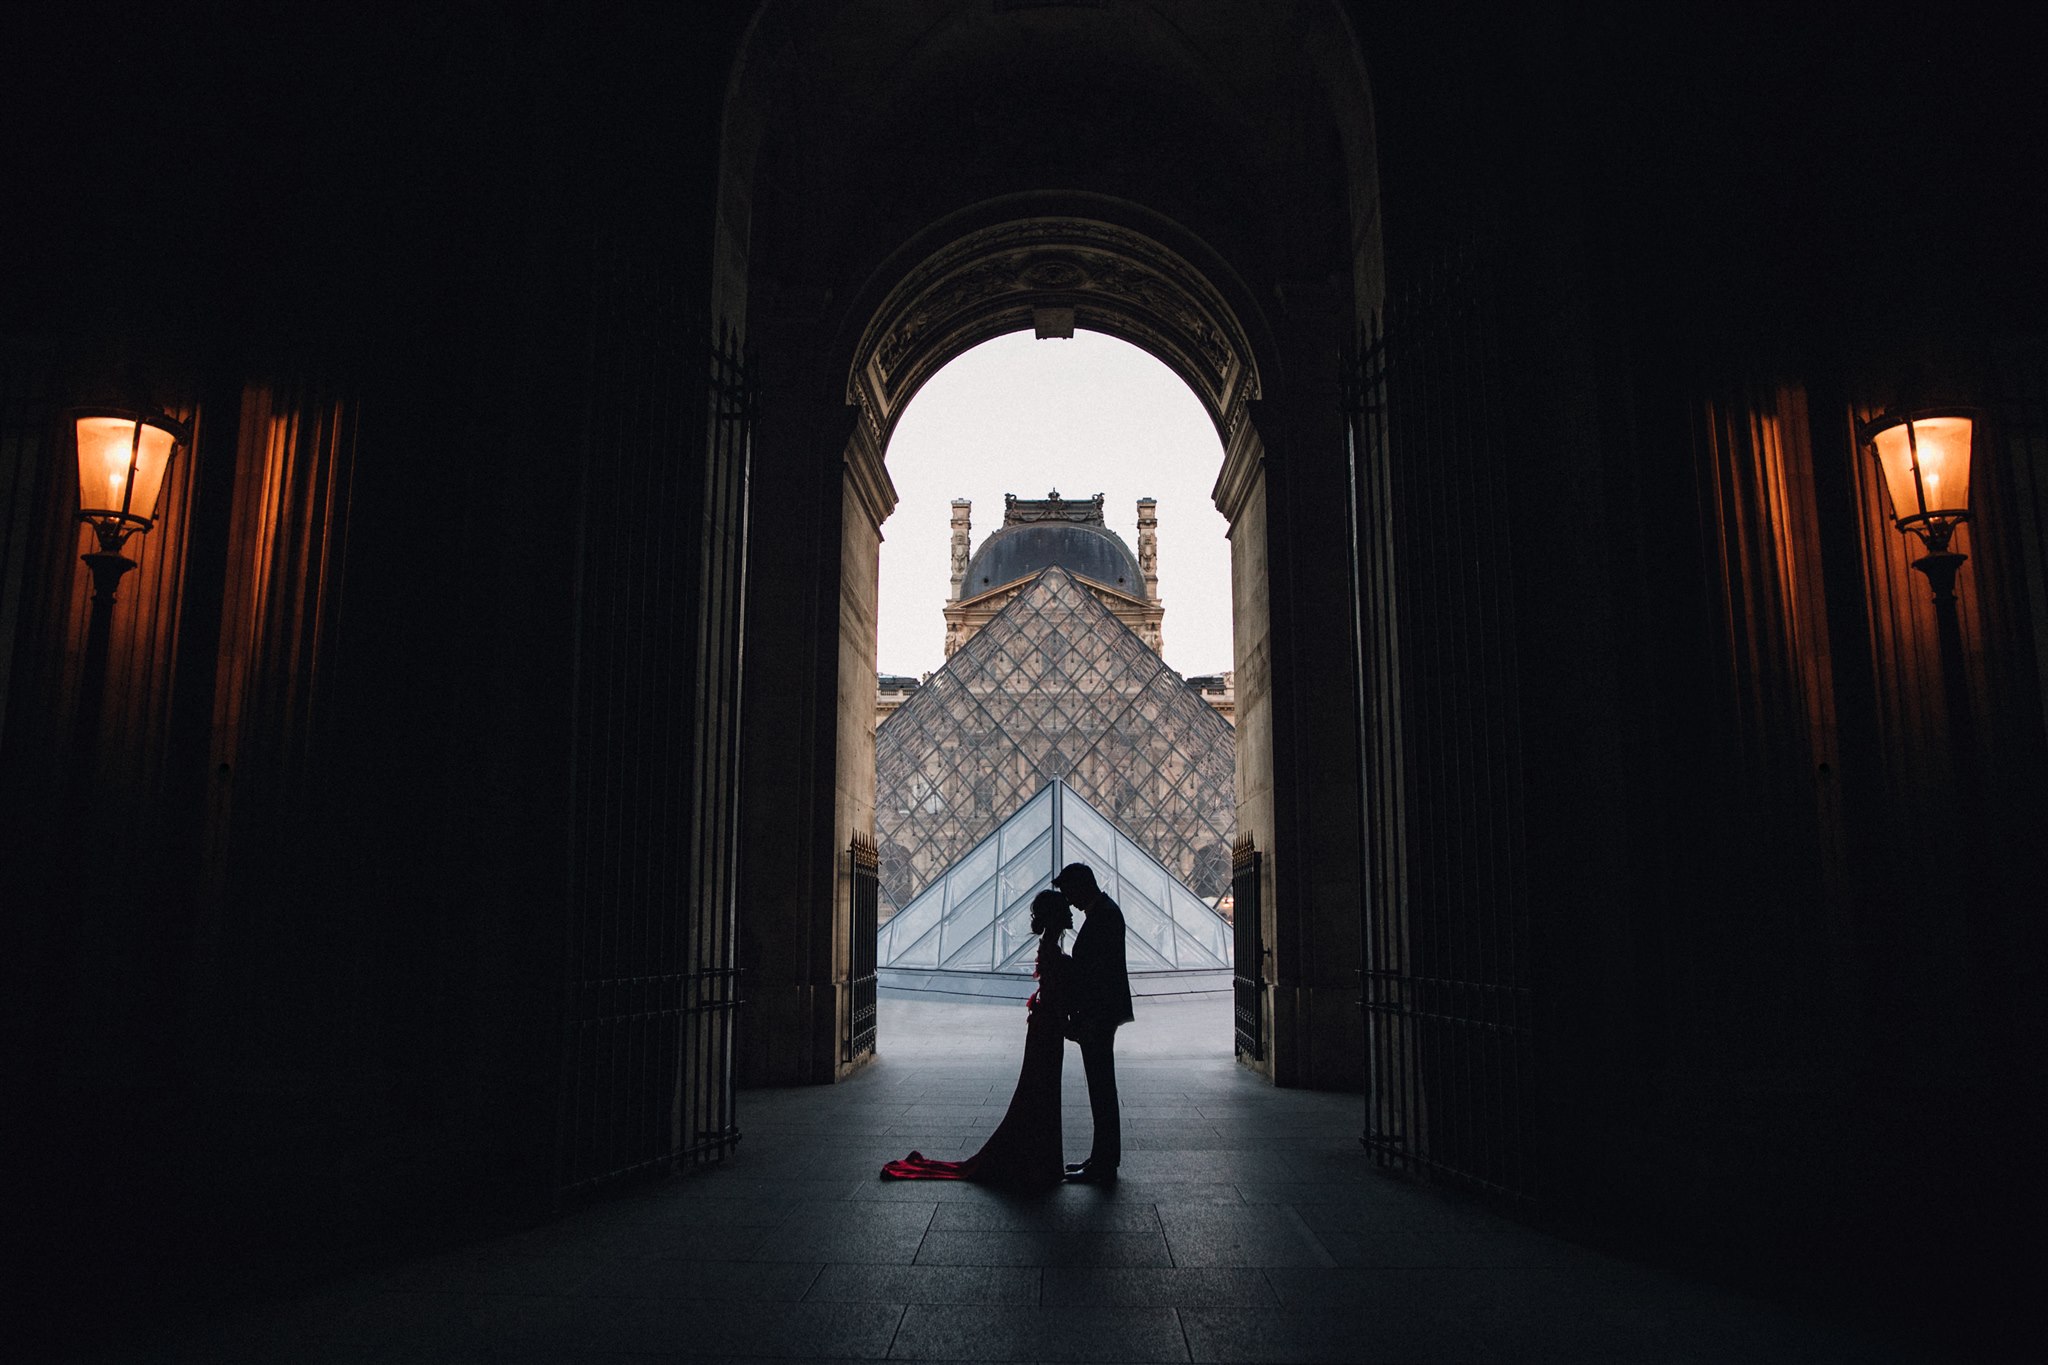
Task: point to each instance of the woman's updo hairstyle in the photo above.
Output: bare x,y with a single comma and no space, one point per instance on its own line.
1049,909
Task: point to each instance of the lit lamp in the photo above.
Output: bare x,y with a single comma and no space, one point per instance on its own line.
1925,455
1926,461
122,457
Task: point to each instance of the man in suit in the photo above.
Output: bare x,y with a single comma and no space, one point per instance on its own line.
1101,1004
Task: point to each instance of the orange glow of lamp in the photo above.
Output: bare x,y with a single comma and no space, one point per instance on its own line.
1925,456
123,455
122,459
1926,461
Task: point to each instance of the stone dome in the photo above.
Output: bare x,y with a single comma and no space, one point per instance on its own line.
1091,552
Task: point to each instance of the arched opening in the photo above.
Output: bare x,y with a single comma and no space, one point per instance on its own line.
1054,276
1032,639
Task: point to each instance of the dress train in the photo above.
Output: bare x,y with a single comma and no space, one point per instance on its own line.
1025,1147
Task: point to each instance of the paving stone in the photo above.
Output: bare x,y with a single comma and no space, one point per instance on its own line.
1165,1190
698,1242
1246,1235
761,1211
1346,1206
931,1331
1044,1248
1049,1214
800,1330
1140,1286
899,1216
486,1270
1396,1249
719,1281
726,1183
1179,1143
976,1284
875,1189
1273,1335
860,1242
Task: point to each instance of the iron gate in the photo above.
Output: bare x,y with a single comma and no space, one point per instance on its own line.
1250,950
651,988
1445,932
866,863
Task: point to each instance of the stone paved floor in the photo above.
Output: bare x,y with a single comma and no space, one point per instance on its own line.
1248,1227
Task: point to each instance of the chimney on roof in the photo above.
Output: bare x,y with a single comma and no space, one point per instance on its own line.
1148,546
961,528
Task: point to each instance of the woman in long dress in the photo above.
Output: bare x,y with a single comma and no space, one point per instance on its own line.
1025,1147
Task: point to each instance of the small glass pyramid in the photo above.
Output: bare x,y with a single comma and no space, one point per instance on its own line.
977,916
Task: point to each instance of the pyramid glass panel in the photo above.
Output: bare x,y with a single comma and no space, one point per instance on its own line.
1148,922
912,938
976,919
1027,826
1202,936
1016,946
976,955
967,920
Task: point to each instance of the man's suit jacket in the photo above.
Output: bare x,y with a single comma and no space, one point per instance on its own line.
1102,978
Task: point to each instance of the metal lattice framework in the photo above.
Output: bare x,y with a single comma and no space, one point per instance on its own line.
977,917
1054,687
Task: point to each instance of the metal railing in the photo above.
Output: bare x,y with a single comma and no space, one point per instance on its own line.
1446,967
865,862
1250,951
652,989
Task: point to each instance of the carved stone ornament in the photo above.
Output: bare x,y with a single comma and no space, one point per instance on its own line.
995,280
1080,511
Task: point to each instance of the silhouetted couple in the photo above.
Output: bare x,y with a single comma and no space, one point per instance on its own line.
1086,997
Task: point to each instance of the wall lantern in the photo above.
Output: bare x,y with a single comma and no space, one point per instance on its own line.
1926,460
1925,455
123,455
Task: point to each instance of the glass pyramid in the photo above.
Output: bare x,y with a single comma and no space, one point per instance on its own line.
977,916
1054,688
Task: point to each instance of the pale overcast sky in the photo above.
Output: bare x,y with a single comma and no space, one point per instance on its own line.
1086,415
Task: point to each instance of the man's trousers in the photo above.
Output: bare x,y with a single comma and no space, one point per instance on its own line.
1098,1059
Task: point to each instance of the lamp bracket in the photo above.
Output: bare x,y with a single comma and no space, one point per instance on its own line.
107,572
1940,568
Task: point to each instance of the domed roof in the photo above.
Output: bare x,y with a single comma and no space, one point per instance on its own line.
1015,552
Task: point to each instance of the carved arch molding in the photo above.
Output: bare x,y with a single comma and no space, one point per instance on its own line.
998,279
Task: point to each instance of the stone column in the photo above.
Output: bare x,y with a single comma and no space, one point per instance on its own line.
795,822
961,527
1148,546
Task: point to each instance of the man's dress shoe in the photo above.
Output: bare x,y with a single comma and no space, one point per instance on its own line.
1089,1175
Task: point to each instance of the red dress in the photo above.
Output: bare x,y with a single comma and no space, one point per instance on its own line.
1025,1147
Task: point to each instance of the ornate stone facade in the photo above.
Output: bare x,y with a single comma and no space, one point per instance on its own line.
970,606
1096,555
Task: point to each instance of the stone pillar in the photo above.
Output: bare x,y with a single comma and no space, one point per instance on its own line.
961,527
1148,546
1297,740
793,847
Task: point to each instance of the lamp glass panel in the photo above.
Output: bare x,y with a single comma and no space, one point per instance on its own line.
1944,449
105,445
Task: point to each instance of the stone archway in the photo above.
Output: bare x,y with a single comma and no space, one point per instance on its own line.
887,208
1052,275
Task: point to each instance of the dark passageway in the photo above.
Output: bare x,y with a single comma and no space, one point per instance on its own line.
453,826
1249,1226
